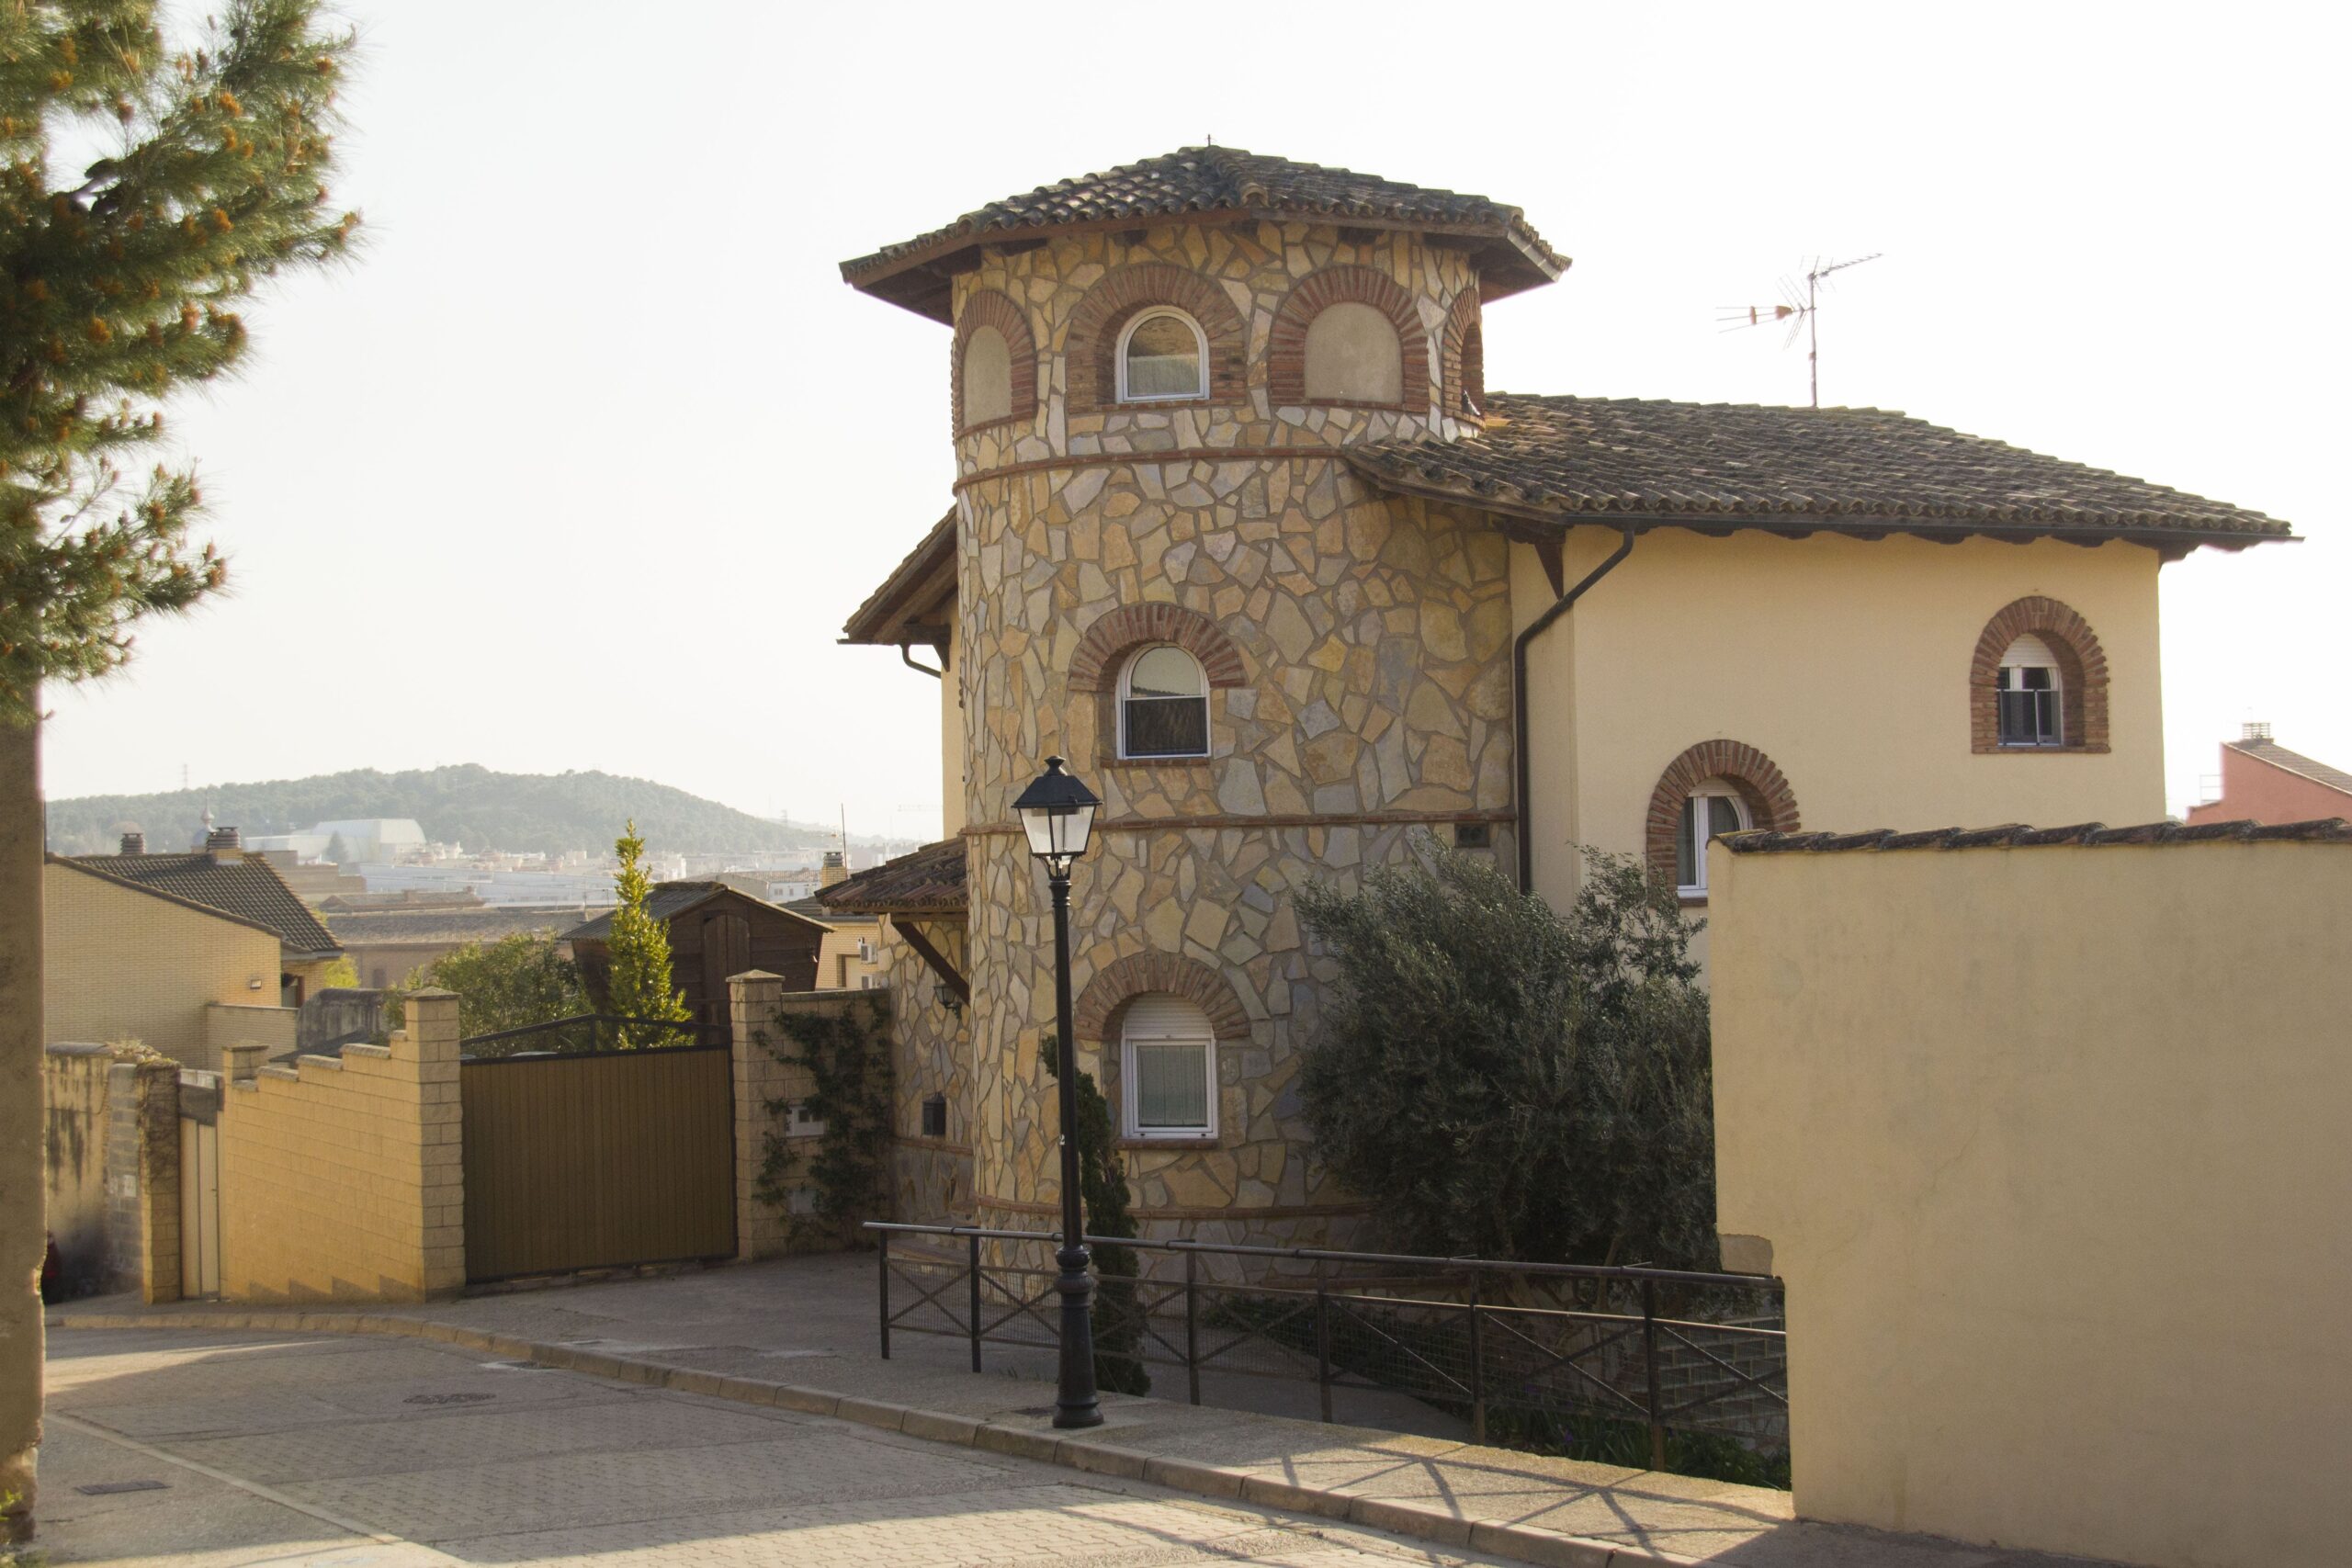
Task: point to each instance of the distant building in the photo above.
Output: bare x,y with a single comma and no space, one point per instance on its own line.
385,946
2263,780
223,878
716,932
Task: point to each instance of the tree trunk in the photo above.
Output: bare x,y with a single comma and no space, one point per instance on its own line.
23,1225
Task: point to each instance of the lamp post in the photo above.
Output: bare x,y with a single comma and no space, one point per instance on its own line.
1058,812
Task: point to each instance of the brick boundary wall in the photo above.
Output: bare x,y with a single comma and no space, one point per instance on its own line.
2082,672
342,1178
1317,292
763,1229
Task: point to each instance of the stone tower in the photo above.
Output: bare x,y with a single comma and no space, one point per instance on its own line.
1159,376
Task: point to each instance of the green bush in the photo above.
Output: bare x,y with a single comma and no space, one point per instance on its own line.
1503,1081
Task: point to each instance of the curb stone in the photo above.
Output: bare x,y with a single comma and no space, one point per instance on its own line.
1524,1543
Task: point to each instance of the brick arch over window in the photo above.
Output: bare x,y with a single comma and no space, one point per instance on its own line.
2082,675
1317,292
988,308
1095,666
1092,345
1103,1005
1462,355
1764,790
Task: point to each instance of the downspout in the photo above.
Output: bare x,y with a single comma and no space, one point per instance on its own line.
1519,725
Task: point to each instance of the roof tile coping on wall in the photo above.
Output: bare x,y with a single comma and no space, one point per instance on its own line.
2017,835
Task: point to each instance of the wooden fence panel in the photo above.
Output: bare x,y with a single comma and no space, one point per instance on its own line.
598,1160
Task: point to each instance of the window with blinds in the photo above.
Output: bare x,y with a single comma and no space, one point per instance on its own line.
1168,1065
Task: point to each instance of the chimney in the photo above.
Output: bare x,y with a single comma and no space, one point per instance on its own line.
836,869
135,842
2254,731
222,846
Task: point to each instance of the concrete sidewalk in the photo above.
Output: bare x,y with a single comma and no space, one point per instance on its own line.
800,1335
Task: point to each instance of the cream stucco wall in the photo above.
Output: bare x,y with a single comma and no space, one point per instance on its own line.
951,735
1843,661
2049,1145
119,965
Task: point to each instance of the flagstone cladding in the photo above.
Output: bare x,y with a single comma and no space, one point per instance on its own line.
1357,648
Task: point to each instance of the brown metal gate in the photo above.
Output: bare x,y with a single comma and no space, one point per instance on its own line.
598,1160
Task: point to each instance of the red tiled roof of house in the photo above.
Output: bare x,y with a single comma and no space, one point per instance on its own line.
928,881
1568,459
2295,763
247,887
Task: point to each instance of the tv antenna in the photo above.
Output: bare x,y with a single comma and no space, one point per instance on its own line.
1802,314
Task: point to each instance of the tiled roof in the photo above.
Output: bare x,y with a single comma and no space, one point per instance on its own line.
2325,830
667,901
1205,181
928,881
1567,459
813,908
247,887
890,615
370,926
2278,756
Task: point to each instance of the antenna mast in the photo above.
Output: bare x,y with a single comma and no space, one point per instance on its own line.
1805,317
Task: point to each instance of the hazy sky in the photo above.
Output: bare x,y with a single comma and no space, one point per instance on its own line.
584,463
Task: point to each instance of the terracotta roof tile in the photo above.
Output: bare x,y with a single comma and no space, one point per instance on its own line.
928,881
1212,180
2325,830
1566,458
908,591
248,888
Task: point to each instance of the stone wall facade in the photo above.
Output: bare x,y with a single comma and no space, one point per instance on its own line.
1357,648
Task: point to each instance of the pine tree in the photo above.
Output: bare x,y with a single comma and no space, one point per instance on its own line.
115,291
640,986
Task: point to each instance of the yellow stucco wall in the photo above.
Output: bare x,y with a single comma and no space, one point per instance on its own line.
2048,1145
838,966
347,1183
951,735
118,964
1843,661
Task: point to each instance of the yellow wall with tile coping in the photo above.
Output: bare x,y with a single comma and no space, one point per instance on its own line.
346,1181
2049,1145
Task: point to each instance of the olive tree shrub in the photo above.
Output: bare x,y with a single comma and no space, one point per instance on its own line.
1504,1081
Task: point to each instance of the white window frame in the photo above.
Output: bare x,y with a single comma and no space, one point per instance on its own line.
1712,789
1200,341
2045,659
1131,1085
1126,692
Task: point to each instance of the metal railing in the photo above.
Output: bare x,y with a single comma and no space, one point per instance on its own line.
1527,1354
582,1034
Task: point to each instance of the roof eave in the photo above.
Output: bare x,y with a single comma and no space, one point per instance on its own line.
2172,541
916,585
921,280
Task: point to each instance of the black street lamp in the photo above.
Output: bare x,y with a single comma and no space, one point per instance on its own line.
1058,812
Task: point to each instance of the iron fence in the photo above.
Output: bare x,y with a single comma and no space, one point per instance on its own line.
1526,1354
582,1034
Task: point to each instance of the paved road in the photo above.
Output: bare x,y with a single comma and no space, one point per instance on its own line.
373,1453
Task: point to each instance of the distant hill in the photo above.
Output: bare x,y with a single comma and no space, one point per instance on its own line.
520,813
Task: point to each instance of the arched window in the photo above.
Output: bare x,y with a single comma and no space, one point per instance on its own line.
1163,705
1168,1068
1715,787
2037,682
988,378
1163,356
1712,810
1474,370
2032,695
1354,355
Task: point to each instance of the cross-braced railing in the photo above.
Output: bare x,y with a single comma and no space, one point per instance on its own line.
1523,1353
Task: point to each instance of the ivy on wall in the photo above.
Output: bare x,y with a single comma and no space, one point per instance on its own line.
846,1167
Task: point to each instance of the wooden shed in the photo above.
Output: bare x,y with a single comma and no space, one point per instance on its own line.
715,932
